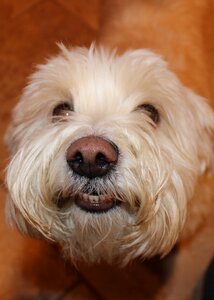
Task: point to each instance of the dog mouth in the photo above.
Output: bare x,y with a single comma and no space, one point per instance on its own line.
90,200
94,203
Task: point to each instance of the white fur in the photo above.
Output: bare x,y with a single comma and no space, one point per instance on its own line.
158,164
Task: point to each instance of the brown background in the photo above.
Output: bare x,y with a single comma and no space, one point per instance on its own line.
29,30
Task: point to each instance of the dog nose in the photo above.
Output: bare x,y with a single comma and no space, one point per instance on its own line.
92,156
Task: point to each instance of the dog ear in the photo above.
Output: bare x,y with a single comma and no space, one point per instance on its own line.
203,117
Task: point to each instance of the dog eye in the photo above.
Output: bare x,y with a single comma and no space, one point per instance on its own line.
62,110
152,112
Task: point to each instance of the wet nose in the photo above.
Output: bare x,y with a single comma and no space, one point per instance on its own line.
92,156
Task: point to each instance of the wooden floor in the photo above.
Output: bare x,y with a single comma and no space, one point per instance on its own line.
31,269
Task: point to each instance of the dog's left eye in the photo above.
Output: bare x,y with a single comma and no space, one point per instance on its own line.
152,112
62,110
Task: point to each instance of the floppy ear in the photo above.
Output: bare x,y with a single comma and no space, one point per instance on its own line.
204,124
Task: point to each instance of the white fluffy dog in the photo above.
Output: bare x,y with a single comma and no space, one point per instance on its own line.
106,154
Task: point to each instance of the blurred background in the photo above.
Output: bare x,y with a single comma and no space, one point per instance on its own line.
29,269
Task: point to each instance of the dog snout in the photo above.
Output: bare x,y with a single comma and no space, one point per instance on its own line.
92,156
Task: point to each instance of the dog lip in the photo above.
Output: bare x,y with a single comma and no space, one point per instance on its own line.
95,204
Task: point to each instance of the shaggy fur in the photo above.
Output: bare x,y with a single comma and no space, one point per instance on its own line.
160,164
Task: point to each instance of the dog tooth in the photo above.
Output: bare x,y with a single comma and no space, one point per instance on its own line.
92,198
85,197
97,199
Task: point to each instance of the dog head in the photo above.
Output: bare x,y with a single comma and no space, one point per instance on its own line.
106,152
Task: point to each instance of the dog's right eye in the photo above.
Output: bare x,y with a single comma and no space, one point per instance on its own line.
152,112
62,110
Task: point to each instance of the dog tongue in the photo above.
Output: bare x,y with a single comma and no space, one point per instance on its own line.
95,204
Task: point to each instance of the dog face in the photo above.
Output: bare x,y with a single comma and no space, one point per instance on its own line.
106,152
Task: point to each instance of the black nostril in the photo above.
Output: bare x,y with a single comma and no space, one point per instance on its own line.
77,158
101,159
76,162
